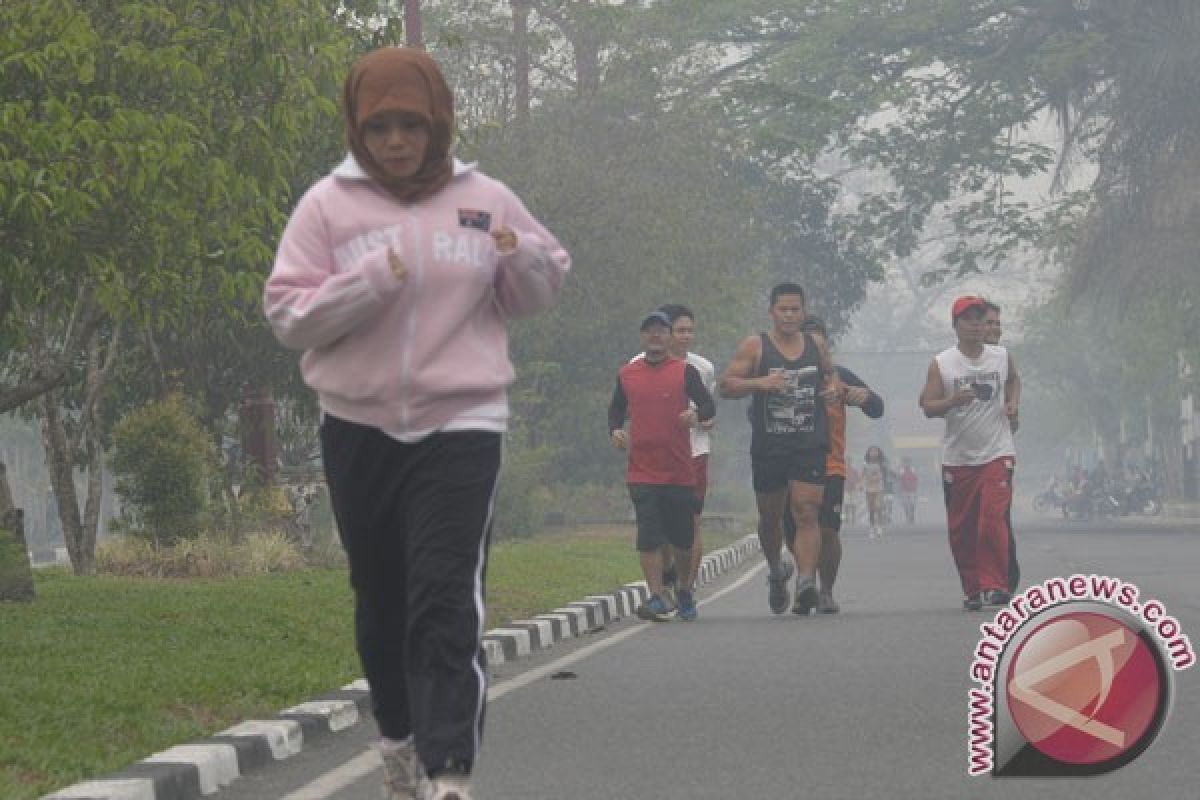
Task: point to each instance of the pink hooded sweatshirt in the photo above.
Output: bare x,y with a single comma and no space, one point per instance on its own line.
427,353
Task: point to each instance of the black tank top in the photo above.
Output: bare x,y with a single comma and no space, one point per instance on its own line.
783,422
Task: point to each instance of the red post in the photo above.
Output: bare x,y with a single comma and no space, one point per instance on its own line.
257,417
412,23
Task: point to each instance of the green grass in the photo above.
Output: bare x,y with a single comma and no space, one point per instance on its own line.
98,673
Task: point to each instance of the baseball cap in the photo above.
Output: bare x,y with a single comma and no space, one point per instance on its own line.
656,318
964,304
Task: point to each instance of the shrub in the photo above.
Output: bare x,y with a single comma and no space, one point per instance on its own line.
522,499
205,556
592,502
162,462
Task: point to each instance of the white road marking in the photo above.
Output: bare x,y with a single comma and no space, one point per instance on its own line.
364,764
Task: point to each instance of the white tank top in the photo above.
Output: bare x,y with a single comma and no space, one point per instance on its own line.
978,432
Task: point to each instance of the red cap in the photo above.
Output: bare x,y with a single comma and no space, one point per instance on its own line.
964,304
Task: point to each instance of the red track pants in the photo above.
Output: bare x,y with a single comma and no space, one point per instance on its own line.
977,500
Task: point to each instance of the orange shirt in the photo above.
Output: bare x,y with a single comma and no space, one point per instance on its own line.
835,413
835,462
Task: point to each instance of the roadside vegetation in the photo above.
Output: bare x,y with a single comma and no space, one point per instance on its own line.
101,672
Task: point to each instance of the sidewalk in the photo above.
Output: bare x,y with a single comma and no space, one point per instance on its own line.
1184,509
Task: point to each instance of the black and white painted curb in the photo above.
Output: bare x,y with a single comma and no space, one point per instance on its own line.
195,770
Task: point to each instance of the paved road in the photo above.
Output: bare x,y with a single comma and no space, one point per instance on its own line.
871,703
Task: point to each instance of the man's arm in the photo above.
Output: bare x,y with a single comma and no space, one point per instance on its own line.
697,392
861,395
709,374
739,380
618,407
1012,393
933,401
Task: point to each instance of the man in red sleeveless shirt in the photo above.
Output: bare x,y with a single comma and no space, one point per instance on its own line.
652,393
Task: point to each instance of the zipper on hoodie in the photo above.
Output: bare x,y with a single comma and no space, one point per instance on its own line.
416,277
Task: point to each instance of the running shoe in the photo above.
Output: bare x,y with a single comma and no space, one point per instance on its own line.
973,602
448,786
998,597
403,778
777,580
687,605
670,596
826,604
806,595
654,610
670,576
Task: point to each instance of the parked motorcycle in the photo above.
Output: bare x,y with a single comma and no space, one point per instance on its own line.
1142,498
1088,502
1107,503
1051,499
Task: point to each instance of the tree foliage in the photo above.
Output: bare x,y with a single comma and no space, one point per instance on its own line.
147,159
684,150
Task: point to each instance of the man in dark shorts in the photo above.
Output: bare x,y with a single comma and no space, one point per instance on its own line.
851,391
683,334
653,394
786,372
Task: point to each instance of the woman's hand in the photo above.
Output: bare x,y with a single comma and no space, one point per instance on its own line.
399,269
505,239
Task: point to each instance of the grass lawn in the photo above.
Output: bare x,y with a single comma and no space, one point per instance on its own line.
98,673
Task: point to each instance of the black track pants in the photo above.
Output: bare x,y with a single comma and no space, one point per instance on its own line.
415,521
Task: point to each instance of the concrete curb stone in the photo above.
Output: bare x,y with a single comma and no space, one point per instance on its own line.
200,769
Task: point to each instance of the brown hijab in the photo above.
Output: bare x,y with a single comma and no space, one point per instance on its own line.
401,79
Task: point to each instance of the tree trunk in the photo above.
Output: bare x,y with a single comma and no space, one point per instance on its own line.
98,371
16,576
412,24
62,479
91,505
520,10
587,65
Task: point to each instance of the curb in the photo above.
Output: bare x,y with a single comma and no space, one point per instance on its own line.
198,769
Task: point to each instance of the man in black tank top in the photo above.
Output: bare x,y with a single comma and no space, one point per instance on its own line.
786,372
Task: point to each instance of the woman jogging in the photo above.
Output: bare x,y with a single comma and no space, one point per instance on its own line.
395,276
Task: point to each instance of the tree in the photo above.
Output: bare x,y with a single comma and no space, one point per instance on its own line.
143,147
148,156
657,196
16,580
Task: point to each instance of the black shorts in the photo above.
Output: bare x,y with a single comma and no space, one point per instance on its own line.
829,517
664,515
700,467
773,473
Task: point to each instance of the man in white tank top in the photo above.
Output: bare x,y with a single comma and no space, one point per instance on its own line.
992,331
975,387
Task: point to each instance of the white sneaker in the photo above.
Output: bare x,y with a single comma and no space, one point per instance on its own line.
403,777
448,786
